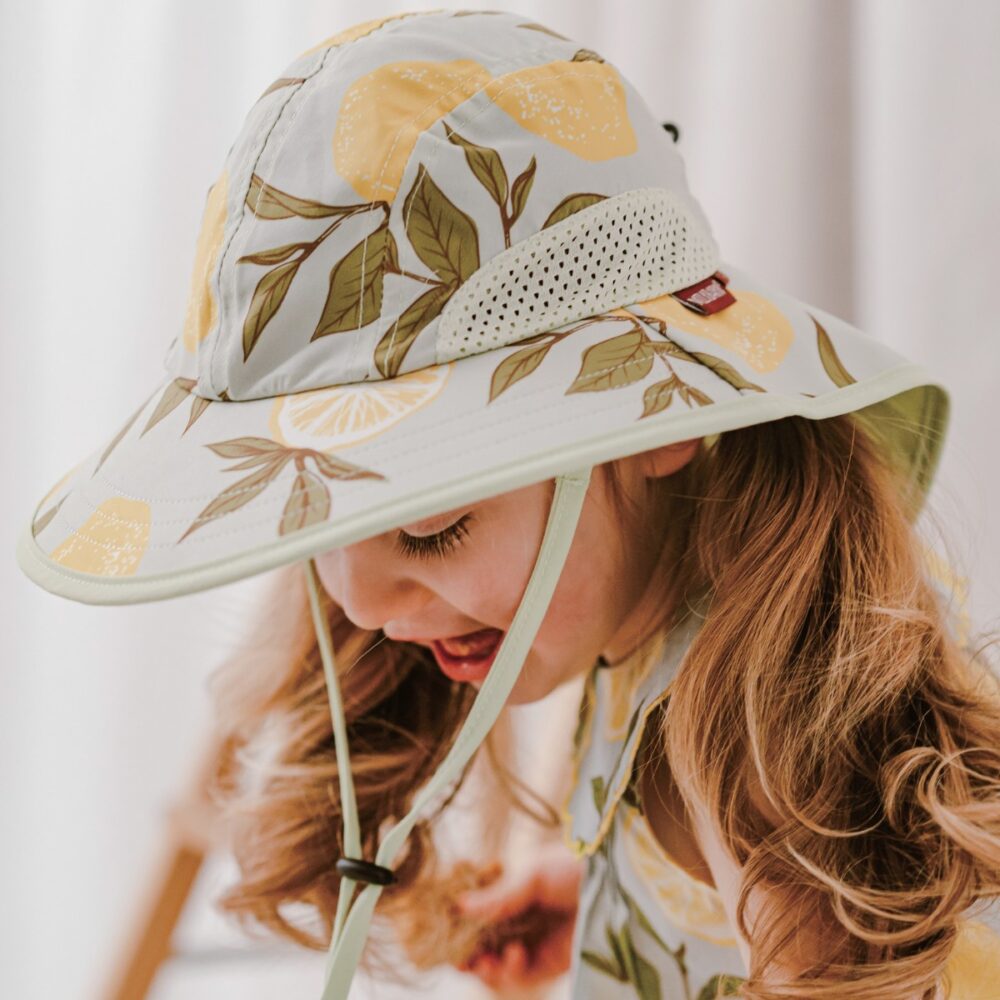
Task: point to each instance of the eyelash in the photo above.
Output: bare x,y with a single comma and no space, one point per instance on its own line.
439,544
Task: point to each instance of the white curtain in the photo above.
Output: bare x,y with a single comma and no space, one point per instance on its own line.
847,152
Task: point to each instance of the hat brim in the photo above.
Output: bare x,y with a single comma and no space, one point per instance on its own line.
191,494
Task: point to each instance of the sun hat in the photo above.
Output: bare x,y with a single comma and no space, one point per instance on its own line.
449,254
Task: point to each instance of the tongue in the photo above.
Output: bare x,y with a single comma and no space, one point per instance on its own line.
474,644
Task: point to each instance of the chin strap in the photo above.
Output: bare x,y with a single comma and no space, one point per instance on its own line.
352,921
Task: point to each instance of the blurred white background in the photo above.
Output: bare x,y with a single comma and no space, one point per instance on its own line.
846,151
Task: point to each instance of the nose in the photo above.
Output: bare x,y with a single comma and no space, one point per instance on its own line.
368,586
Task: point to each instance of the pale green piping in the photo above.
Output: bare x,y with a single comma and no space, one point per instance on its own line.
751,408
352,921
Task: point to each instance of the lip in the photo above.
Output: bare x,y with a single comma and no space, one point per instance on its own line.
466,668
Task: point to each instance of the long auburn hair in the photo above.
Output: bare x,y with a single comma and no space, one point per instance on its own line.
826,677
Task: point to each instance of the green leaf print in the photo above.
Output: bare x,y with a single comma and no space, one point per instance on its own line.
245,447
721,985
336,468
547,31
614,943
643,921
641,973
442,235
44,519
604,965
308,503
658,397
173,395
614,363
647,979
691,393
726,371
520,191
396,341
267,298
832,364
198,406
309,500
485,163
517,366
570,204
600,793
276,255
267,202
625,964
240,493
354,295
115,441
284,81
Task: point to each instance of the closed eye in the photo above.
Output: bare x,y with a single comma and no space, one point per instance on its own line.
440,544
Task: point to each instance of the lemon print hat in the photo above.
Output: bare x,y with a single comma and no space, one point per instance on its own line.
449,254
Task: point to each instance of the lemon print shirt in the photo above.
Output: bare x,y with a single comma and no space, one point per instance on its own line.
646,928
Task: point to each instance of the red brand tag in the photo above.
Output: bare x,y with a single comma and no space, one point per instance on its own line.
706,296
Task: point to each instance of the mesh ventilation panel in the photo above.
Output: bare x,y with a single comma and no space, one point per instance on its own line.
623,249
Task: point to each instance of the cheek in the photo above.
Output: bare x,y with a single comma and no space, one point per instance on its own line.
588,601
492,585
329,577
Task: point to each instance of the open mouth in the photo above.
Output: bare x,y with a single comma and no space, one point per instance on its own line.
468,657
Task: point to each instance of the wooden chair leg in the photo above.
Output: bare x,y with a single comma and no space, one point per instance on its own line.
191,834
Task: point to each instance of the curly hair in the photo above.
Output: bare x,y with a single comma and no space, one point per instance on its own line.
825,675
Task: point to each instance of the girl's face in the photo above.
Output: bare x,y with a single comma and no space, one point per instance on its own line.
465,571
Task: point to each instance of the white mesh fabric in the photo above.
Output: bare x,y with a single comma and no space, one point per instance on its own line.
624,249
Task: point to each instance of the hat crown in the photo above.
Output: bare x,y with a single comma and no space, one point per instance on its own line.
425,186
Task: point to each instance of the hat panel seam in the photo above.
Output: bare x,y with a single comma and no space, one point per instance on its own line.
463,123
213,363
322,64
514,63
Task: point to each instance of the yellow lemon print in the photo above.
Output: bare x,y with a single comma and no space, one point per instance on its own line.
688,902
111,542
754,327
359,31
384,112
621,683
974,967
577,105
202,309
324,419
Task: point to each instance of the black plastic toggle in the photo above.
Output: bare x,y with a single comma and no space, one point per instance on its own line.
672,129
365,871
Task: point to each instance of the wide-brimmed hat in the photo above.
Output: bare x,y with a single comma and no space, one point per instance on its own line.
449,254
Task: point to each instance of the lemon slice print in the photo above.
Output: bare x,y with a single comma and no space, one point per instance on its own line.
621,684
691,904
202,309
753,327
324,419
384,112
579,105
111,542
